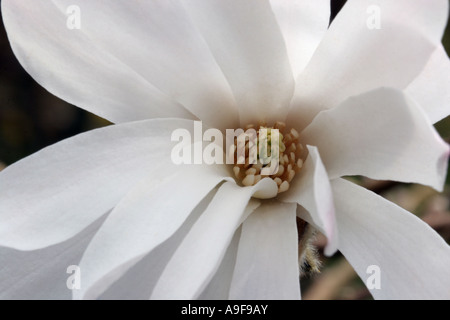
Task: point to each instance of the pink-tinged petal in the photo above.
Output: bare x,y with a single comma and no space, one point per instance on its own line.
431,89
203,249
267,258
303,24
247,43
356,56
55,193
311,189
381,134
126,62
413,259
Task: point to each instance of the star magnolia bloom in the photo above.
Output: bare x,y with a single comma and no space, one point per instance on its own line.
111,201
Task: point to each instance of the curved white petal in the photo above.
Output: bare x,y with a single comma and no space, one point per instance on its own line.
53,194
303,24
356,56
311,189
267,259
43,274
247,43
413,259
380,134
204,247
139,280
126,62
431,89
219,286
146,217
138,283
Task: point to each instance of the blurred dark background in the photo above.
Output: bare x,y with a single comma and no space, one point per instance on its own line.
31,119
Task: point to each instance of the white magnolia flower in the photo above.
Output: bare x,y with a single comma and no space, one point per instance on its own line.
111,201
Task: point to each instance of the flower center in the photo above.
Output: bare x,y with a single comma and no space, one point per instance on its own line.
262,151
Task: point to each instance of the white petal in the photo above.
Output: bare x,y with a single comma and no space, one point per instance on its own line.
431,89
267,259
413,259
42,274
303,24
138,282
55,193
126,62
146,217
247,43
311,189
380,134
204,247
353,58
219,286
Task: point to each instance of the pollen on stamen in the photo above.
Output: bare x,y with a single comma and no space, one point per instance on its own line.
289,162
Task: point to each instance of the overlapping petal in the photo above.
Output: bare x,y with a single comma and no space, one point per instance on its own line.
57,192
357,55
225,62
139,281
205,245
383,135
247,43
126,62
267,258
303,24
412,258
146,217
431,89
43,274
219,286
311,189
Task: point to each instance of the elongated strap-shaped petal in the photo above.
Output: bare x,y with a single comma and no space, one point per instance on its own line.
140,279
311,189
303,24
395,253
267,259
431,89
44,273
380,134
126,61
247,43
219,286
57,192
204,247
146,217
369,45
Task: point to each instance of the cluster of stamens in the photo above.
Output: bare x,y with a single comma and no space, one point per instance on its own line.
289,161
